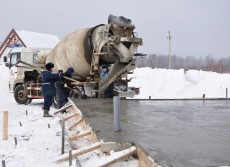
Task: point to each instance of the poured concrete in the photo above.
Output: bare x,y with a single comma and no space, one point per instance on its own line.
174,133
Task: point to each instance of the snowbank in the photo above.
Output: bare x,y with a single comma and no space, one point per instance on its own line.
170,84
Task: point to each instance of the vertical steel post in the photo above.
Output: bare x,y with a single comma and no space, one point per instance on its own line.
117,112
3,163
15,141
63,137
226,93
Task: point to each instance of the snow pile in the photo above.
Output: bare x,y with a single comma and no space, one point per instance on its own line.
170,84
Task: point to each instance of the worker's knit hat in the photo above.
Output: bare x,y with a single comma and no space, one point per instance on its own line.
49,65
70,70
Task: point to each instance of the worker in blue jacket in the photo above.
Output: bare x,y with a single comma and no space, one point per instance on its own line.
48,88
104,71
108,93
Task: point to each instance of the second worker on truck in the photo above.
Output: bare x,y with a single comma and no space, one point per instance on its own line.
108,93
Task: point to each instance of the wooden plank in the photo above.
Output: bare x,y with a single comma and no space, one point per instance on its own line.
74,81
118,156
144,159
75,124
85,133
70,116
5,125
79,152
108,146
63,108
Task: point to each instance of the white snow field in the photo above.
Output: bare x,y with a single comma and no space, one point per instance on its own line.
37,145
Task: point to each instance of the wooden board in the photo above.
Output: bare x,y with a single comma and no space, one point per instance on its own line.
108,146
144,160
71,116
118,156
5,125
79,152
75,124
85,133
63,108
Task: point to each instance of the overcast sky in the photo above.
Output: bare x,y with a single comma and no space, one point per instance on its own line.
198,27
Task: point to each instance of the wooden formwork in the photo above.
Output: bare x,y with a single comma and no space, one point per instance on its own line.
77,129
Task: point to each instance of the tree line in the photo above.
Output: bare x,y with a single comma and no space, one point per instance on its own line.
207,63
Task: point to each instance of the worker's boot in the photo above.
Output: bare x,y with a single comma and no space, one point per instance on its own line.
46,113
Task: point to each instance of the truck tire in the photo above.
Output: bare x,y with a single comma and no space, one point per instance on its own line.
75,93
20,95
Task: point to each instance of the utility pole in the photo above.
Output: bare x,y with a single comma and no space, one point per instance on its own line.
169,38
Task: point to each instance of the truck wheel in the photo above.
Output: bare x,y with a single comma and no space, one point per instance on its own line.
20,95
75,93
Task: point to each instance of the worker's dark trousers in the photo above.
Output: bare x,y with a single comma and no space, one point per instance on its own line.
47,102
61,95
109,91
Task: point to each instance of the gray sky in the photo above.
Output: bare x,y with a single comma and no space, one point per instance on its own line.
198,27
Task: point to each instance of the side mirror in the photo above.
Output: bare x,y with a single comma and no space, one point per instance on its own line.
5,59
7,64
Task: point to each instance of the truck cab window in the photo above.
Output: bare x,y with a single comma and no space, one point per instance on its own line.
14,58
35,59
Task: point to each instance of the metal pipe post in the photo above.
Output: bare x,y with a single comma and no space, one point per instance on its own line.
226,93
117,112
3,163
63,137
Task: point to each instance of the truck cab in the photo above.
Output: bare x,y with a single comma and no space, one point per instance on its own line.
24,70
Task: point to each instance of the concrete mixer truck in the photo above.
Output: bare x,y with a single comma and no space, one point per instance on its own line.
86,50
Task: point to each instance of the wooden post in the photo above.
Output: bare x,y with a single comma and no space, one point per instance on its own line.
70,158
5,125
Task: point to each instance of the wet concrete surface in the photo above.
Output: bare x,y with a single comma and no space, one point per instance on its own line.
174,133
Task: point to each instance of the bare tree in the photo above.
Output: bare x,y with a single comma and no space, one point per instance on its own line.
207,63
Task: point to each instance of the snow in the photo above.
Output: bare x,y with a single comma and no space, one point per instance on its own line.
37,40
37,145
171,84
